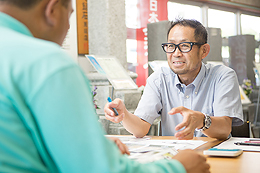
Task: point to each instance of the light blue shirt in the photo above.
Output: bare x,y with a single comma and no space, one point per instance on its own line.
47,117
215,91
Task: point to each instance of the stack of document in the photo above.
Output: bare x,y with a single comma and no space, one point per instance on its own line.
147,150
246,144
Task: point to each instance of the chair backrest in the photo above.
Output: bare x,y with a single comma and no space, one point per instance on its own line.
160,128
241,131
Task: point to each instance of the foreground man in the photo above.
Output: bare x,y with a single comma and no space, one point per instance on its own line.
47,118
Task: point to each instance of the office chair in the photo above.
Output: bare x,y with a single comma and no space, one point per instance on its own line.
160,128
242,131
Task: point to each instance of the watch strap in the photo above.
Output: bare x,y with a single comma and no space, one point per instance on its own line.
207,122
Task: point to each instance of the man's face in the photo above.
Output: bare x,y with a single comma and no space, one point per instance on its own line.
64,24
188,64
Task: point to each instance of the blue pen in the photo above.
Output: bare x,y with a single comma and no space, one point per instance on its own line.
114,109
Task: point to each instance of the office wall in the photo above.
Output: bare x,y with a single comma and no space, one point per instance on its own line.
242,56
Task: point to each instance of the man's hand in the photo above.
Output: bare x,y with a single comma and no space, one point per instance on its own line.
120,107
132,123
122,147
191,121
192,161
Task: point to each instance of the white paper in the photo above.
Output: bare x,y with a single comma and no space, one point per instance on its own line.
229,144
179,144
147,150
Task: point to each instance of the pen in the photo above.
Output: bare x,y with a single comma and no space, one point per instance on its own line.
252,142
254,139
114,109
243,143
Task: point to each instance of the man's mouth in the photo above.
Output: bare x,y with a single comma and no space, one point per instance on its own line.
178,62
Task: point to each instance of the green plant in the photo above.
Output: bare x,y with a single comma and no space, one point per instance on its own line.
94,93
247,86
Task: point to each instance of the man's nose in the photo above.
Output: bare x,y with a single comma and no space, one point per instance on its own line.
177,52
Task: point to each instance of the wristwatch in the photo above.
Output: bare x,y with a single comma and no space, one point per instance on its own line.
206,123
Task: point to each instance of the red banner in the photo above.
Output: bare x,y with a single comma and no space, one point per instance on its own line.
150,11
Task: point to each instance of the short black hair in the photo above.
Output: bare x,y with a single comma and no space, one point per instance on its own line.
200,33
27,4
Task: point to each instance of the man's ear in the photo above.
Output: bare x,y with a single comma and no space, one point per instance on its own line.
205,50
50,12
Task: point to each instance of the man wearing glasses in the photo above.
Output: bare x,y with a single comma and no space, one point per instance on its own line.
193,99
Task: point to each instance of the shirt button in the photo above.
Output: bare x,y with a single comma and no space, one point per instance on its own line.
187,96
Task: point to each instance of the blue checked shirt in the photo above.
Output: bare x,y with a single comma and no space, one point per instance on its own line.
215,91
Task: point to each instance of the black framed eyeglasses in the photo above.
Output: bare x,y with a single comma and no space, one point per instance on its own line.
184,47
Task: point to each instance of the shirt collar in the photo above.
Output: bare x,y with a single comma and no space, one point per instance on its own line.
196,82
178,83
10,22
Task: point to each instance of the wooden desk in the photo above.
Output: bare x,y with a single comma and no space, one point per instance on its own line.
248,162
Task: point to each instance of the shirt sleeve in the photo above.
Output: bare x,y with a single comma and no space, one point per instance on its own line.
227,99
150,105
64,111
